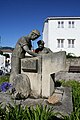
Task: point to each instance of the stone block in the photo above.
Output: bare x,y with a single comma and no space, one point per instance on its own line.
32,68
22,86
55,98
51,63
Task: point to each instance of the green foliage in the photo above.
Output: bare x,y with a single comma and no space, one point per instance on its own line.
15,113
75,97
4,79
1,52
6,55
72,55
28,113
2,114
41,112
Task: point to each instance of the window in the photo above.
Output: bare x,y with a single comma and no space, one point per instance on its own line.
71,43
60,43
71,24
60,24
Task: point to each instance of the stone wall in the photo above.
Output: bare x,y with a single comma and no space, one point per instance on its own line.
72,62
67,76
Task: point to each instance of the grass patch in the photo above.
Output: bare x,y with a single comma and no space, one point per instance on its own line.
75,115
4,79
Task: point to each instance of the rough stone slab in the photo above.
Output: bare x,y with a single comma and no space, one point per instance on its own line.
22,86
66,106
63,75
55,98
6,99
58,91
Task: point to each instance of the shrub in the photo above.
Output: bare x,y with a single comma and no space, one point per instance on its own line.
4,79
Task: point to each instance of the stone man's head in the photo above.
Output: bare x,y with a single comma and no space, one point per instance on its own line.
34,34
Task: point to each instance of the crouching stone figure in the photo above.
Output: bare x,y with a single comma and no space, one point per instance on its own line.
22,46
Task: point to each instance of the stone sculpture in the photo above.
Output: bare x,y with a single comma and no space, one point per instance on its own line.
41,49
22,46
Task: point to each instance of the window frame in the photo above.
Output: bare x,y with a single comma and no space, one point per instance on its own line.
71,43
60,43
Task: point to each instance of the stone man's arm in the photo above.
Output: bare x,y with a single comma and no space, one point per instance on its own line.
49,51
29,51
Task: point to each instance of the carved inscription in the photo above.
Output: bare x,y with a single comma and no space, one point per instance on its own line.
29,65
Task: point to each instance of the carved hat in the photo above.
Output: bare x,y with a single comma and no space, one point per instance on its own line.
36,32
40,42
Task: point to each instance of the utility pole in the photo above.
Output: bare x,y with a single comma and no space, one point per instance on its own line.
0,41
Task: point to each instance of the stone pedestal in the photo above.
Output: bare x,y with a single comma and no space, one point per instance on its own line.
41,71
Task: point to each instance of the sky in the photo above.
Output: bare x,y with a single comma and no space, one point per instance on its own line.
19,17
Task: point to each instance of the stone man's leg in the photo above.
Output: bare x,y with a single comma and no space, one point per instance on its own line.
15,68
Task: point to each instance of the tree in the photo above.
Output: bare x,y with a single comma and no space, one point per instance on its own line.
1,52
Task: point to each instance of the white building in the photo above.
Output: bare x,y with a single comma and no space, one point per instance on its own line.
2,61
5,62
62,33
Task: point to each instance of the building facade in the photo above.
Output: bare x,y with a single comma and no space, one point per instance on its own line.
62,34
2,61
5,59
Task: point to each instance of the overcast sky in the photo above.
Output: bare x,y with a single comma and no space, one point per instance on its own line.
19,17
